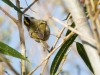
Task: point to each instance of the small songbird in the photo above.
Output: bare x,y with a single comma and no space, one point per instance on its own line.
38,30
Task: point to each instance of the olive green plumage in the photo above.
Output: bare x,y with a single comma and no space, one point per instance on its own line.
38,29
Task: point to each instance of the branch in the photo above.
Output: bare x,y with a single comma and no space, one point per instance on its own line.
22,41
66,38
82,25
45,63
8,15
62,62
57,39
30,6
8,64
94,28
72,29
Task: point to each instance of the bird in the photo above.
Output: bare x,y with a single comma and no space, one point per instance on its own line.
38,30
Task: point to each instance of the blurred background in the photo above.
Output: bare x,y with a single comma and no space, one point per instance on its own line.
9,34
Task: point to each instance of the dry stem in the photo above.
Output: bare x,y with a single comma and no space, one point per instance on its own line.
8,64
72,29
30,6
95,32
66,38
22,41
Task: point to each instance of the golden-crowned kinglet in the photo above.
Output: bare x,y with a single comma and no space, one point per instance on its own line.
38,29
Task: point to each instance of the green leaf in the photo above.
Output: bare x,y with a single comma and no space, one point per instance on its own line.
84,56
12,5
5,49
69,31
59,56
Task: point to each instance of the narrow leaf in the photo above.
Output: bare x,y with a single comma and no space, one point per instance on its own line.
69,31
59,56
5,49
84,56
12,5
67,17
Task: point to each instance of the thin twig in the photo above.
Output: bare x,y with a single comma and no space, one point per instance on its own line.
83,27
62,62
41,73
92,5
96,14
98,25
72,29
58,39
30,6
59,35
66,38
8,64
8,15
22,42
1,55
6,73
95,32
47,13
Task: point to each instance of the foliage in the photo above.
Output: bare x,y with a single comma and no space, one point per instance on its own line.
5,49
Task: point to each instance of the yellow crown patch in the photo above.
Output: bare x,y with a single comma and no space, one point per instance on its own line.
26,21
